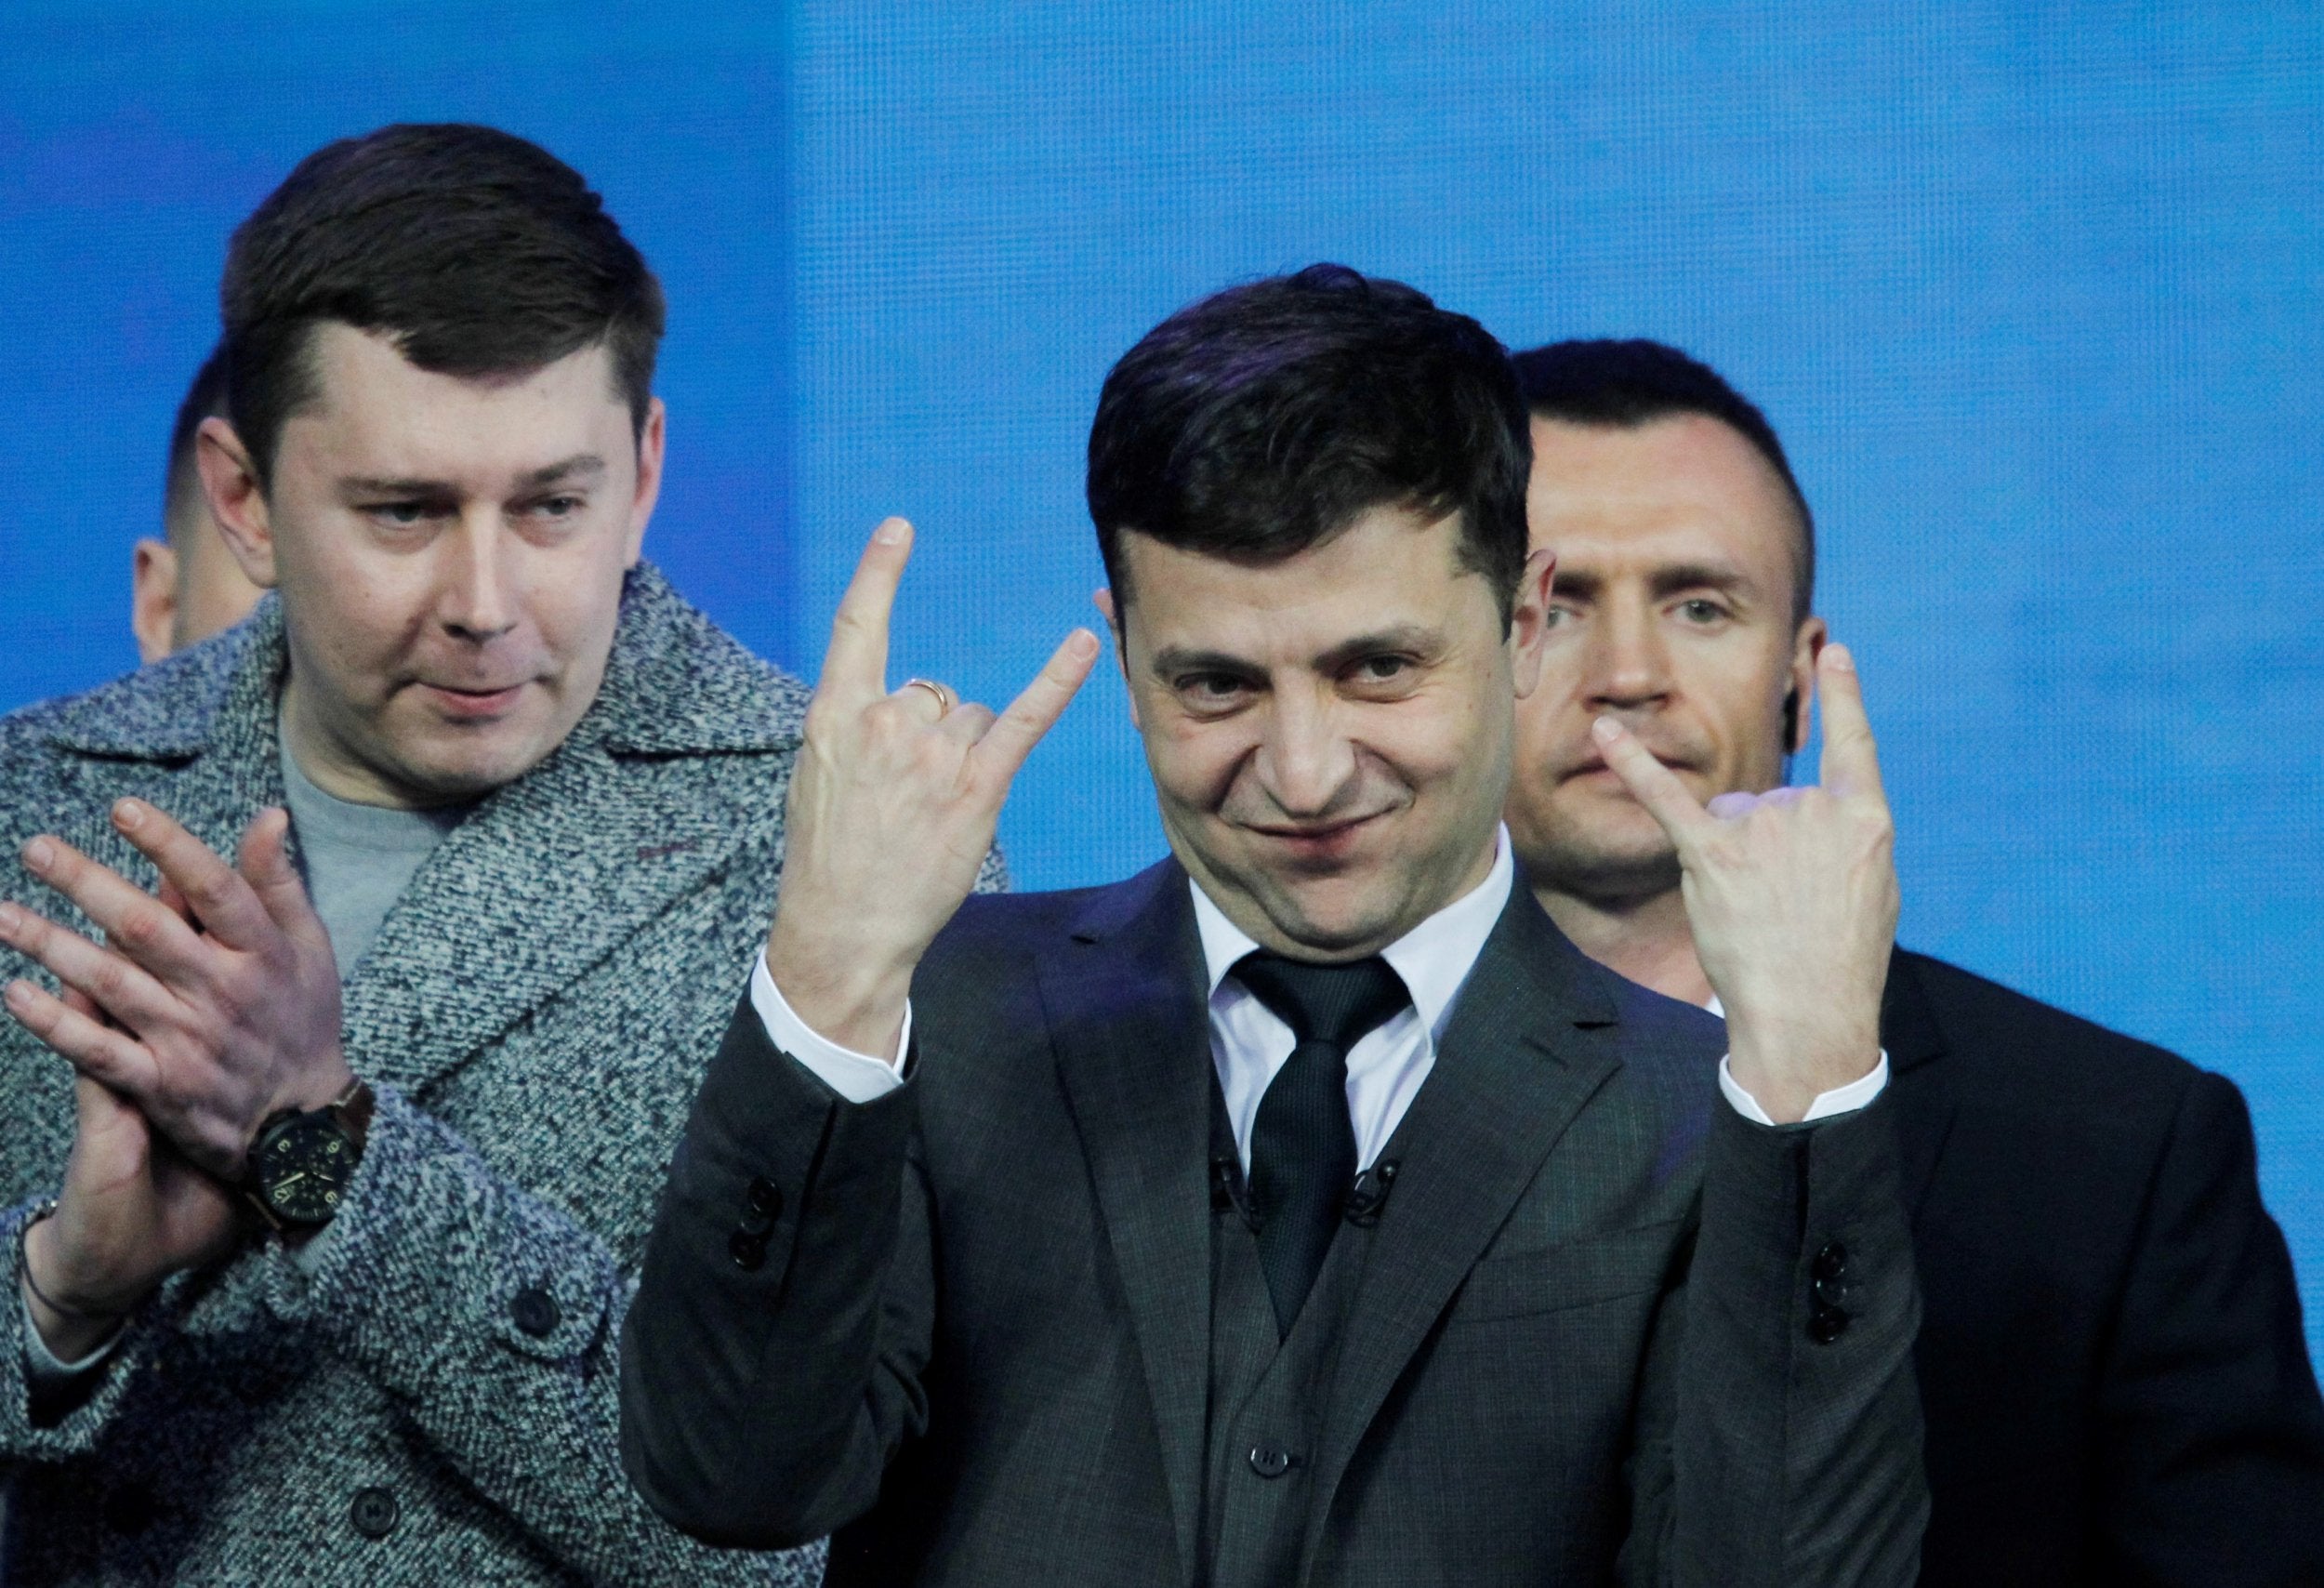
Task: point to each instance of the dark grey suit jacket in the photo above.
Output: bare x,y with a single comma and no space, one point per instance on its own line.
1580,1347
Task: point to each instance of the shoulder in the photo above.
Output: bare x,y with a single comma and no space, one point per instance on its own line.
160,711
2017,1045
679,684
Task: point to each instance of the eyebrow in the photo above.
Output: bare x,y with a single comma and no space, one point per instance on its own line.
1399,637
1664,581
569,470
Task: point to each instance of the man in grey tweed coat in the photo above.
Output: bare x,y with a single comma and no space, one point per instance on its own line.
411,1379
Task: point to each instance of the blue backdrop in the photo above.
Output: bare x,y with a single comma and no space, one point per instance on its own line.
2032,293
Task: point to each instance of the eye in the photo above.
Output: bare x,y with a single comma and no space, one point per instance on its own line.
560,507
1701,610
1210,689
1380,669
403,515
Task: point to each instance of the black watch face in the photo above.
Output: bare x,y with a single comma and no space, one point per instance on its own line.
303,1165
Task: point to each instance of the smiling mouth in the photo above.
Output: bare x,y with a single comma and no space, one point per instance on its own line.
457,701
1318,843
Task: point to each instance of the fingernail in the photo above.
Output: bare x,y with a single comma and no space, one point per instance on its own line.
39,853
1605,730
129,815
10,918
1840,659
889,532
1081,644
20,996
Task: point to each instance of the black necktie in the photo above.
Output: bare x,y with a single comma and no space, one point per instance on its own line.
1302,1145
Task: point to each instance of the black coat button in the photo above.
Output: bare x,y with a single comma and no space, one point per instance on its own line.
535,1311
1831,1263
1835,1293
375,1512
1272,1463
765,1199
749,1252
1826,1324
129,1509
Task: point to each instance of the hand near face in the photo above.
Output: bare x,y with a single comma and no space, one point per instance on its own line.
1791,896
207,1018
892,809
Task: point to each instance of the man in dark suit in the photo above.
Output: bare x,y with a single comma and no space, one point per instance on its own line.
1304,1209
2114,1380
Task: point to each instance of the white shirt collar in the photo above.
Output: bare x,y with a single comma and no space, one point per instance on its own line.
1434,958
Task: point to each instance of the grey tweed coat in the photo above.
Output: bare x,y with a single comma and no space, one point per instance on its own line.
431,1399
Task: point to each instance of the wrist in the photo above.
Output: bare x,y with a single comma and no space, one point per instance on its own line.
849,1004
73,1318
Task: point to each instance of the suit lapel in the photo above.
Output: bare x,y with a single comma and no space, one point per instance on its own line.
1529,1042
1909,1032
1124,997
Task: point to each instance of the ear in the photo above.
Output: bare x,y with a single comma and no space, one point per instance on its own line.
237,501
1104,599
1806,645
651,439
154,599
1529,620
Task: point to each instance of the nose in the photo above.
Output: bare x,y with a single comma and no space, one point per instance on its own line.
1305,763
475,600
1628,666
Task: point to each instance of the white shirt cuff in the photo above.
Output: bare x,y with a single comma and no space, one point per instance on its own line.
1838,1100
42,1369
859,1078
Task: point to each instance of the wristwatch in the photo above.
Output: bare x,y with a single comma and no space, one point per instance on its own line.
301,1163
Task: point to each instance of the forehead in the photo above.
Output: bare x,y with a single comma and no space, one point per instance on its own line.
1680,489
377,412
1391,569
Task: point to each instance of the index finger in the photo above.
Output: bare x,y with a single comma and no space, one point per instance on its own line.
1650,783
1851,762
225,904
1001,751
855,667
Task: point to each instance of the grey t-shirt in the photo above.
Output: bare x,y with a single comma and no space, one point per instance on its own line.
358,859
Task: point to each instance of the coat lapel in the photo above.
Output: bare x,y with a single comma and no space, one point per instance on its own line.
1125,999
1530,1039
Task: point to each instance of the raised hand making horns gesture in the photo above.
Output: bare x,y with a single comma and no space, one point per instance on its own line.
1791,896
893,808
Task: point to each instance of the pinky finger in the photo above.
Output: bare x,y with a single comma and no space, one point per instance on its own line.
96,1050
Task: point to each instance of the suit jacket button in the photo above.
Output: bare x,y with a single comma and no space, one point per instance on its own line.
749,1252
1270,1464
375,1512
762,1204
1831,1263
1826,1324
535,1311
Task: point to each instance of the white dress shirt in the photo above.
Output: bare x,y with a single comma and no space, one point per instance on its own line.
1250,1042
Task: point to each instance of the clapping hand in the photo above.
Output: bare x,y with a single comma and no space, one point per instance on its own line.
1791,896
209,1005
893,808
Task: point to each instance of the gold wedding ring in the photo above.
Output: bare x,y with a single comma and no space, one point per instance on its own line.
944,699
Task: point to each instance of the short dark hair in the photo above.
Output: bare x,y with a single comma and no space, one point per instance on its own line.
477,253
1267,418
1624,384
205,398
